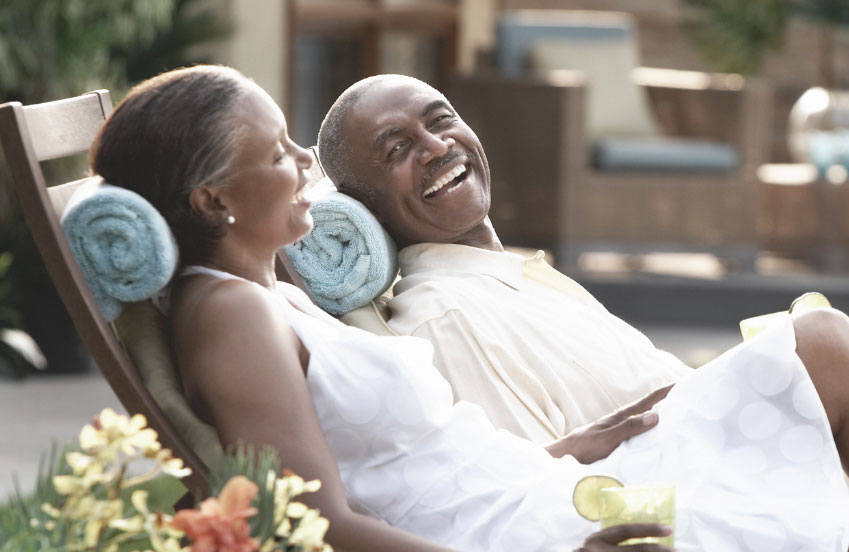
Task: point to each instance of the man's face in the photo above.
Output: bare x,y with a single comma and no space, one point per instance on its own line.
426,167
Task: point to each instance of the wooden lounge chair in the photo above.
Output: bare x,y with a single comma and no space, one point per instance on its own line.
134,353
36,133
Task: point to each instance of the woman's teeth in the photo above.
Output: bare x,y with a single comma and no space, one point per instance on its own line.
300,196
445,179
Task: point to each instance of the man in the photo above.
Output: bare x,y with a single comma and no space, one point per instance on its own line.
529,345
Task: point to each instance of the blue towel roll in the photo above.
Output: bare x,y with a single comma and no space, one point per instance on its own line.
124,247
347,259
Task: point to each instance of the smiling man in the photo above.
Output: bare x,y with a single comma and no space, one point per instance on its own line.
528,344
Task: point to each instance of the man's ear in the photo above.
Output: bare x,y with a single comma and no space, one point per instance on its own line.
363,197
206,202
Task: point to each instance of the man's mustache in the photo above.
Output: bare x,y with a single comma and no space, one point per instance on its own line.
434,166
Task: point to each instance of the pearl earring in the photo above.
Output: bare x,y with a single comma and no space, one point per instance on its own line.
231,219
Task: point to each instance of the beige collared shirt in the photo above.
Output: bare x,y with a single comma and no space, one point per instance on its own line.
541,356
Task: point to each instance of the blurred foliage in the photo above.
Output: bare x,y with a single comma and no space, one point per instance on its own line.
51,49
735,36
20,508
15,362
834,12
192,23
9,316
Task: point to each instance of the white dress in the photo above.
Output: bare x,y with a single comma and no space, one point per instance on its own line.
745,440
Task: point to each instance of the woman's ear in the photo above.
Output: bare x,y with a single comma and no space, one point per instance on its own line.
205,201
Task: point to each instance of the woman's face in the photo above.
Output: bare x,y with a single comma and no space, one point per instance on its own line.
264,193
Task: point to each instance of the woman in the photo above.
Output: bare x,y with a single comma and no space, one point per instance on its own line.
375,422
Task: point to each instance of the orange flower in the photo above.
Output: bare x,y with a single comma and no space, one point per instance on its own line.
221,524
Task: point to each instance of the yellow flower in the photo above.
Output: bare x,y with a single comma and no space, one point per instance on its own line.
91,438
110,433
79,462
92,532
310,531
296,510
51,510
133,524
171,464
312,486
163,537
69,484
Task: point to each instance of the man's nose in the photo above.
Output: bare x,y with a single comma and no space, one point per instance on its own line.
434,146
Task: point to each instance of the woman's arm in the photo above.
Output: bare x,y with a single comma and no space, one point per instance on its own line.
246,368
597,440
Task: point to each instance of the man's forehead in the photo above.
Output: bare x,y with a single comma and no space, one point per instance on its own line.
391,102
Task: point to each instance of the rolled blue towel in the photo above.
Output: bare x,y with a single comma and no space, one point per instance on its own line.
347,259
124,247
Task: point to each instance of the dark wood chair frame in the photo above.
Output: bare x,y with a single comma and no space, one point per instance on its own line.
40,132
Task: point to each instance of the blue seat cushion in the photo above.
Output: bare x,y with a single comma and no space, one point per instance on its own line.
664,155
517,32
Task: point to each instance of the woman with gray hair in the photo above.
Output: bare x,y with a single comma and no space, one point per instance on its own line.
402,466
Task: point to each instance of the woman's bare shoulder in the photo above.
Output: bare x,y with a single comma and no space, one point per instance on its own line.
215,305
225,320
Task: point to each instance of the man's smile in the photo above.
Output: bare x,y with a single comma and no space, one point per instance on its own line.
448,182
447,174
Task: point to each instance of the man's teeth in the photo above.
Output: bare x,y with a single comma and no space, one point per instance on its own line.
300,196
445,179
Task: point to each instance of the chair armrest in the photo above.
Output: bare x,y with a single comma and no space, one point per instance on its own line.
711,106
658,77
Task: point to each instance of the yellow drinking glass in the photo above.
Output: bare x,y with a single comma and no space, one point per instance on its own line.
649,504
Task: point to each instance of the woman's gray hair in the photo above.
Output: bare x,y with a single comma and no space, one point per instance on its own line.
170,135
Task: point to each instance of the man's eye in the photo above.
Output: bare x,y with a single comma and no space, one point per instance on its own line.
442,119
395,149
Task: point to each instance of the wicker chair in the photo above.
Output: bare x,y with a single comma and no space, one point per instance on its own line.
578,167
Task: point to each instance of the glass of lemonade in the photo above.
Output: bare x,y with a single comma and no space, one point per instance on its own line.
649,504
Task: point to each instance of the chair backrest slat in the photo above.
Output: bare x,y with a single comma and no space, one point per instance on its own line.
66,127
46,131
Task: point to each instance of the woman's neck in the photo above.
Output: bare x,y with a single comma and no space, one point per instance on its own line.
259,269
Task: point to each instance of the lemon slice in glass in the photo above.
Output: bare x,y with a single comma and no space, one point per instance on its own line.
807,301
751,327
585,497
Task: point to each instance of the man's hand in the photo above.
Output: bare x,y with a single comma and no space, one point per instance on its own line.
596,440
607,540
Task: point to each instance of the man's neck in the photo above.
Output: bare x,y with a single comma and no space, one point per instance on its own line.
482,236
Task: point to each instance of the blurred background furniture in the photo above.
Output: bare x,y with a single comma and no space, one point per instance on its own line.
599,168
334,43
802,214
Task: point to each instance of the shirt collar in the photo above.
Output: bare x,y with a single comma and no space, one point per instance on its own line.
450,257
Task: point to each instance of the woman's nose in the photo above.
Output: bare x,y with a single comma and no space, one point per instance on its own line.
435,146
303,157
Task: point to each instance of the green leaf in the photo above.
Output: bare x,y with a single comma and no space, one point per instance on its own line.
163,492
